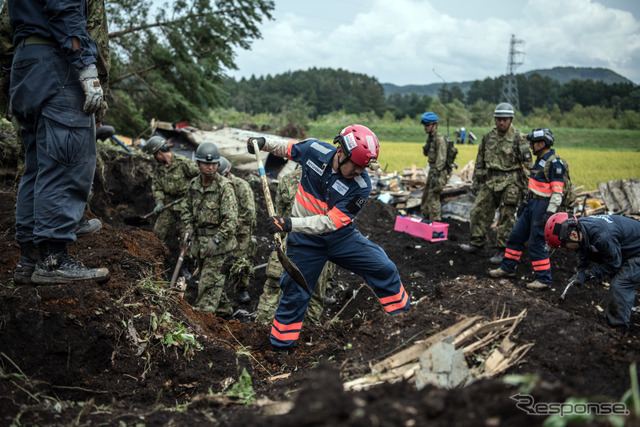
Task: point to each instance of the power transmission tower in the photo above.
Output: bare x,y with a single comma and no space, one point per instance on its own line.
510,84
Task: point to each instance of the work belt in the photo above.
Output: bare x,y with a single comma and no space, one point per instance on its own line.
536,196
205,232
36,40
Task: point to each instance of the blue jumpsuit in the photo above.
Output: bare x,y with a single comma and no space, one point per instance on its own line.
47,100
613,242
529,226
323,229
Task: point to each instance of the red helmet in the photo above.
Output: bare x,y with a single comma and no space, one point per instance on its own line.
558,228
359,144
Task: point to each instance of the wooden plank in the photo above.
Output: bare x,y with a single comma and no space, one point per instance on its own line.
412,353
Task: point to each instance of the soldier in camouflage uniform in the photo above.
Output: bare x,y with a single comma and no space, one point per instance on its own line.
210,216
170,180
287,188
500,180
436,151
242,268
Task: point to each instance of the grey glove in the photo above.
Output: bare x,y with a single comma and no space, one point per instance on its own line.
158,208
211,248
91,87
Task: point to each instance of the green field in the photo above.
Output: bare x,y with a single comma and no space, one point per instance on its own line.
594,155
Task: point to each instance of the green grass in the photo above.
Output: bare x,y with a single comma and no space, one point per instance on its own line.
587,167
594,155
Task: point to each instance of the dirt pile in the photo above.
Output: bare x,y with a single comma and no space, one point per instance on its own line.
132,351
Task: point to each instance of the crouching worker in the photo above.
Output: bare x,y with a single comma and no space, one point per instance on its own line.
333,189
210,216
613,243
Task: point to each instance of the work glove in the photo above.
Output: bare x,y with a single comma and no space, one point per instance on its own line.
277,224
581,277
186,234
91,87
545,217
211,248
158,208
261,141
475,187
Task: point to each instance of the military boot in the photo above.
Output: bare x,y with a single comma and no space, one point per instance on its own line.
55,266
497,258
85,227
26,264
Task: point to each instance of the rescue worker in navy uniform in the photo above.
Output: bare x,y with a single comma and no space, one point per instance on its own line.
543,200
613,243
333,189
54,92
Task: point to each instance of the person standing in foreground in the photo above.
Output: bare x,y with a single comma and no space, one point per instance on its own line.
333,189
613,243
439,171
271,292
210,217
54,93
500,179
542,201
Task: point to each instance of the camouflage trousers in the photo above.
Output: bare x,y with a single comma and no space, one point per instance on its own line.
211,294
242,268
271,293
168,221
430,205
484,209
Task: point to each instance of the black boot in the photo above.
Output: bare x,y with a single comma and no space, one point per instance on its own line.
497,258
26,264
55,266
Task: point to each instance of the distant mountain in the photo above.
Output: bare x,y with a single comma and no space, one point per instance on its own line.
560,74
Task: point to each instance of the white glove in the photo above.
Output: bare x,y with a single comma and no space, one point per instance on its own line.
91,87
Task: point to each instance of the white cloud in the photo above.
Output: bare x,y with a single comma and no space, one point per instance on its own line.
401,42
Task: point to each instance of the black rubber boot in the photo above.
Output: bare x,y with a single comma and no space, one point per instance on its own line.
26,264
55,266
497,258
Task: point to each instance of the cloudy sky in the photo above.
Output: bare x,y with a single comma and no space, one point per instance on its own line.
413,41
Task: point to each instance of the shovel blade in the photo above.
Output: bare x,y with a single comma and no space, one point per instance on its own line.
293,271
135,220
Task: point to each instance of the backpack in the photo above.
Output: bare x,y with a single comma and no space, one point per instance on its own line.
568,193
452,153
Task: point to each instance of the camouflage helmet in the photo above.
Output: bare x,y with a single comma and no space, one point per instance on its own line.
208,152
154,144
225,166
504,109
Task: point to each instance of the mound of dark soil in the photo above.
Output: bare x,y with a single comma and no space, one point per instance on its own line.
132,352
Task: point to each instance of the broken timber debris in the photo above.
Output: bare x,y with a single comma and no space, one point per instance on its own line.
468,336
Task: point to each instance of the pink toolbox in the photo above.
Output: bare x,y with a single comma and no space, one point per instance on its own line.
433,232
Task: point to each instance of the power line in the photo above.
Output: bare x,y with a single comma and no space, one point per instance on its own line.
510,84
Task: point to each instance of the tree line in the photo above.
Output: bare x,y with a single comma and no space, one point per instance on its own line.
321,91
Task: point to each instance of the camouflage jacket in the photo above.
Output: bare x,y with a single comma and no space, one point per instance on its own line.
436,152
169,183
246,205
503,160
211,211
286,192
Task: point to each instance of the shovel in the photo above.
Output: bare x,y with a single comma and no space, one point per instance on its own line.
185,246
138,220
287,264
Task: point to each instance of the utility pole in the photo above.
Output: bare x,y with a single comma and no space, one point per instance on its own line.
510,84
444,91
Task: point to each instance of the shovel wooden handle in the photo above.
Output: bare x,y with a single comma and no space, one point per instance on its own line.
287,264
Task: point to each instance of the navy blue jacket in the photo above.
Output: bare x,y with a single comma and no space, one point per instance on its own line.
608,240
55,20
